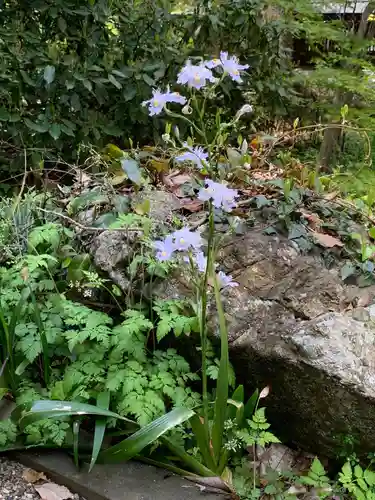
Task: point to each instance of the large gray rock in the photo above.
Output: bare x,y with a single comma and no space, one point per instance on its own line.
291,326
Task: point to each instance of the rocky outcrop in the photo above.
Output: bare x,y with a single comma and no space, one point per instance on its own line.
292,325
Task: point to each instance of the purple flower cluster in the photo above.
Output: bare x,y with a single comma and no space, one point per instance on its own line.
195,155
179,241
186,240
195,75
230,65
159,100
220,195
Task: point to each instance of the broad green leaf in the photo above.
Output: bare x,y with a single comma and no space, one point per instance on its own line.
358,472
369,476
87,84
371,233
49,74
3,391
40,410
37,127
251,404
55,131
317,467
114,82
100,425
27,79
134,444
347,470
148,80
132,170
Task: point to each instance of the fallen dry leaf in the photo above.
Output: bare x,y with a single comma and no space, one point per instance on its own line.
32,476
313,219
331,196
191,205
53,491
327,241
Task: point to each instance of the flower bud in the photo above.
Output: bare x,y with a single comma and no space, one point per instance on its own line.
246,108
187,110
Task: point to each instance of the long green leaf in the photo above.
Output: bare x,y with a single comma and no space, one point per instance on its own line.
236,407
76,427
188,460
200,434
222,385
40,410
166,465
251,404
130,447
43,339
100,425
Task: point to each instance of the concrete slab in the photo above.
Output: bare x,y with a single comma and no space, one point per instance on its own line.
127,481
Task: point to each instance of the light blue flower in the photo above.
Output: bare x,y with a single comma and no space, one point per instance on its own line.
184,239
221,196
164,249
160,99
200,260
195,155
195,76
230,65
225,280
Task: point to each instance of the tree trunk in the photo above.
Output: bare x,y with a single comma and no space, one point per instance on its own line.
330,143
328,148
363,25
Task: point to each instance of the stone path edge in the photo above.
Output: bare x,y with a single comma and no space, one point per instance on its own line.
128,481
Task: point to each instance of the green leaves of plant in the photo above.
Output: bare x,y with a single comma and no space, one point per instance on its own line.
39,410
49,74
133,445
100,425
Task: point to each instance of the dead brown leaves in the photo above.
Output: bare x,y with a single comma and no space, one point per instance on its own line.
46,489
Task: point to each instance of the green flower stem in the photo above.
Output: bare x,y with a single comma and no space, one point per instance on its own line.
185,119
200,112
203,318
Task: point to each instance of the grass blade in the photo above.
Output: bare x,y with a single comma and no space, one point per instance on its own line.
40,410
200,434
222,385
133,445
188,460
100,425
166,465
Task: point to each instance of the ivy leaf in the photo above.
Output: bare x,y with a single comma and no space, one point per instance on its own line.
61,23
87,84
49,74
37,127
27,79
55,131
131,168
114,82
